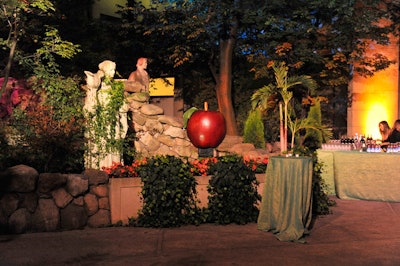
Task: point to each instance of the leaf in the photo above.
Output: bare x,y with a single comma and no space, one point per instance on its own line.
187,115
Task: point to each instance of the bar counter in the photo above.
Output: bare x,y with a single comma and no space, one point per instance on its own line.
361,175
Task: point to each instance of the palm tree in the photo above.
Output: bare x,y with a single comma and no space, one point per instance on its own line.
268,96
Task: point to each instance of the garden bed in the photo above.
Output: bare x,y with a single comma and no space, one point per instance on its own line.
125,196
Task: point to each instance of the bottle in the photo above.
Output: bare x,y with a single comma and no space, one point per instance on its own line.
363,144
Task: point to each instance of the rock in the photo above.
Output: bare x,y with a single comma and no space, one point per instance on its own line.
104,203
175,132
19,178
242,148
138,118
73,217
9,203
153,127
167,140
139,97
19,221
186,151
229,142
183,143
77,184
95,177
79,201
61,197
151,143
170,121
91,204
50,181
100,219
100,191
165,150
29,201
151,109
46,217
3,223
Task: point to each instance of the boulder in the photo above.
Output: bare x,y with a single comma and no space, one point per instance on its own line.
73,217
151,109
29,201
100,219
19,221
50,181
91,204
99,191
95,177
19,178
9,203
77,184
46,217
61,197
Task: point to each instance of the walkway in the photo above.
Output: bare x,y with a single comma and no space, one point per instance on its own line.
357,233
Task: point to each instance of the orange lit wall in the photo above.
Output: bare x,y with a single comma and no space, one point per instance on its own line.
376,98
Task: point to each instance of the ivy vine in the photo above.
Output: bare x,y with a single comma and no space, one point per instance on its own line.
102,123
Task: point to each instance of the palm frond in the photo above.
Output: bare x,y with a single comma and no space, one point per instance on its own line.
263,97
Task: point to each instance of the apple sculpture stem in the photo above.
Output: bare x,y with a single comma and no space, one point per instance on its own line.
206,129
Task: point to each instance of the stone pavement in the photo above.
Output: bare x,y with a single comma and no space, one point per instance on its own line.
357,233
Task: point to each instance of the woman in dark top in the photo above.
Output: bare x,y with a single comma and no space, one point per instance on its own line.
395,135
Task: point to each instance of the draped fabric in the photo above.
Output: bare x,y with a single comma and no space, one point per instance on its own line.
285,208
362,175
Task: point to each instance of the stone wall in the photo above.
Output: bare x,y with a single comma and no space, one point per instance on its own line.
33,202
156,133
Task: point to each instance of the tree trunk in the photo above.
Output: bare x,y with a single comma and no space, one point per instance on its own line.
8,66
224,85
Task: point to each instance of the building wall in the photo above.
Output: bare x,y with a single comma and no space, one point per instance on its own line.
375,98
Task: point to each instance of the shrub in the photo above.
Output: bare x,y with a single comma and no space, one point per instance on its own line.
233,192
169,193
254,129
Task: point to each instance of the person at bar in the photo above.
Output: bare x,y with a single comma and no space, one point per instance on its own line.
384,130
395,134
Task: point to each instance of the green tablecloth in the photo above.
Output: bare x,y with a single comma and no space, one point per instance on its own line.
362,175
326,157
286,203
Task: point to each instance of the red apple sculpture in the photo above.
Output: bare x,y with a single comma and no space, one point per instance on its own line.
206,129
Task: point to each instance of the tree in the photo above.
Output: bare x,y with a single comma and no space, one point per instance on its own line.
326,37
49,133
24,20
14,13
200,31
266,97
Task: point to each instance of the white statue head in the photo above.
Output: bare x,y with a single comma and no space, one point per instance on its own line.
108,67
93,80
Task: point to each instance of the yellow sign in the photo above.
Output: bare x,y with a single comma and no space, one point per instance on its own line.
162,86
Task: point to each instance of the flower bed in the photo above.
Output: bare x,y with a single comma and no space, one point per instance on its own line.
125,196
126,186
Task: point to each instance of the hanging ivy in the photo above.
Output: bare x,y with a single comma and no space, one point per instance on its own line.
102,124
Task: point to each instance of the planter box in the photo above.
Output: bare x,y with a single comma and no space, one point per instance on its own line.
125,197
125,201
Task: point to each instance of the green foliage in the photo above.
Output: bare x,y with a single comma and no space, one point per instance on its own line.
313,138
254,129
233,192
102,124
49,135
321,203
169,193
